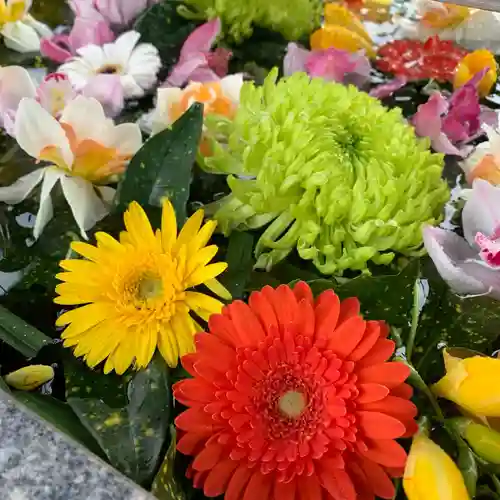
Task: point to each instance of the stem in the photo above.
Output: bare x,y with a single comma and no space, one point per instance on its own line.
414,323
496,482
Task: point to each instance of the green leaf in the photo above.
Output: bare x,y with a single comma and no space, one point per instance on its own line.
131,434
240,260
20,335
165,485
162,167
162,26
60,415
468,466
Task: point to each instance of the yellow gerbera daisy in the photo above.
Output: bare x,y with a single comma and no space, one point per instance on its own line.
136,293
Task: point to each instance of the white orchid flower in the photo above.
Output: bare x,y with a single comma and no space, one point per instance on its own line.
83,149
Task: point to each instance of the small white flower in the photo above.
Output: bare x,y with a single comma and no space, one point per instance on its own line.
221,97
137,65
21,31
84,150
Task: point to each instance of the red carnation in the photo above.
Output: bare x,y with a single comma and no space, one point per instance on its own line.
293,398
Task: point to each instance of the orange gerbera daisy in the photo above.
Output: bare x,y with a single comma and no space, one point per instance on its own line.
302,403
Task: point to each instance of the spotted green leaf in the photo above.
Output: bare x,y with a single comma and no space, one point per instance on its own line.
165,484
128,416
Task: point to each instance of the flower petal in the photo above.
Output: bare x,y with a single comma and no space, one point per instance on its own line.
108,90
21,37
295,59
21,188
231,86
45,211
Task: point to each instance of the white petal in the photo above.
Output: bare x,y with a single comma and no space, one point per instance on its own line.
36,128
125,44
231,86
21,37
493,139
127,138
161,116
448,252
92,55
19,190
45,211
84,202
15,83
144,65
78,72
107,193
42,29
131,89
481,212
86,117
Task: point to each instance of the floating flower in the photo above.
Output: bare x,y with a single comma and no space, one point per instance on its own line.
479,61
484,441
471,383
197,63
430,473
89,28
475,29
118,12
340,15
219,98
415,60
451,123
29,377
330,64
384,90
341,38
134,66
301,403
135,294
471,265
292,18
338,176
84,150
20,30
484,162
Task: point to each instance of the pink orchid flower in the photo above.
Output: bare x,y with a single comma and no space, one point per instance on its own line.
197,61
89,27
452,123
331,64
471,265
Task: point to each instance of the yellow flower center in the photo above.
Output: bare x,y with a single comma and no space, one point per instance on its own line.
292,404
92,160
12,12
110,69
209,94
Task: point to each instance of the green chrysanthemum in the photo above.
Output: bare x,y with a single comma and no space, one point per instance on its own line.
330,169
292,18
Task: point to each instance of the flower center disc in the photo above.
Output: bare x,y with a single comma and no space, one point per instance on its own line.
110,69
149,288
292,404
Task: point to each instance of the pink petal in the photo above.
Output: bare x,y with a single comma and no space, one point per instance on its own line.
201,39
442,144
295,59
182,71
218,61
427,120
88,31
55,92
56,48
108,90
387,89
203,75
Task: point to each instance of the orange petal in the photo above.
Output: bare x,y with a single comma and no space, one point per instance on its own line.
218,478
404,391
347,336
370,337
238,483
305,321
389,374
222,326
338,484
308,488
246,324
381,352
369,393
327,312
379,480
400,408
264,311
348,307
386,452
194,420
303,291
284,490
208,457
378,425
191,442
259,487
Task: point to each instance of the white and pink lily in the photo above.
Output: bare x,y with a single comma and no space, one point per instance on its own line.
21,32
471,265
83,150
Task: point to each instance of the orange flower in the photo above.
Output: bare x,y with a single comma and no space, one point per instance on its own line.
474,63
301,403
441,16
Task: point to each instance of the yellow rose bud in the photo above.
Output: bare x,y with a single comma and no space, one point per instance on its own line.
431,474
471,383
472,64
484,441
30,377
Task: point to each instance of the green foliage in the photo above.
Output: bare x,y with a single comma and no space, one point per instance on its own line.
165,484
23,337
162,167
128,416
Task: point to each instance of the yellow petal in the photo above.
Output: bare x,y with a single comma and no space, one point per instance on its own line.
168,226
138,226
167,345
340,38
206,273
71,294
431,474
201,258
197,301
189,230
29,377
216,287
147,346
472,64
341,16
